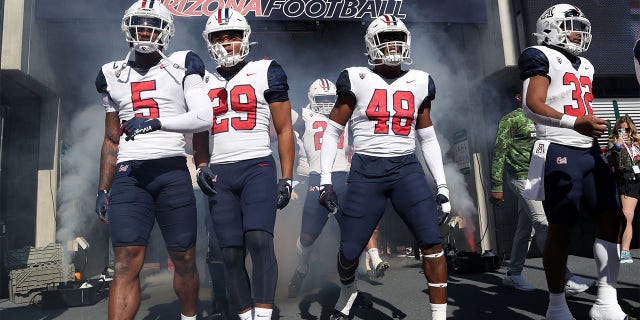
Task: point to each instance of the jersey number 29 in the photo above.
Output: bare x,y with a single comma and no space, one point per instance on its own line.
243,99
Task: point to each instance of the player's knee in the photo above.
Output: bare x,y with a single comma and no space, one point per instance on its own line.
347,269
233,258
258,241
432,250
307,239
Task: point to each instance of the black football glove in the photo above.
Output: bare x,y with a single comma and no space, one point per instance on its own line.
442,199
284,192
137,125
328,198
205,181
102,206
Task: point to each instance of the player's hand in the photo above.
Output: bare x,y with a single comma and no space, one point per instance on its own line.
205,178
294,195
138,125
590,126
497,197
284,192
442,199
328,198
102,206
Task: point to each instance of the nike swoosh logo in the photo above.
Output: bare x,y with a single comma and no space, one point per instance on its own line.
409,81
162,66
250,74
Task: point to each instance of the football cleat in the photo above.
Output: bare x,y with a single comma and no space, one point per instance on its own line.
295,284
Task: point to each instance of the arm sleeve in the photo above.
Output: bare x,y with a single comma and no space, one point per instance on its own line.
503,141
200,115
278,86
533,62
432,153
329,150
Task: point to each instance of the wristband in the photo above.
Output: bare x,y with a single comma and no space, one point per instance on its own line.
568,121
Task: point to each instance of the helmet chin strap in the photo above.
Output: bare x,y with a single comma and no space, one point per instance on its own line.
123,65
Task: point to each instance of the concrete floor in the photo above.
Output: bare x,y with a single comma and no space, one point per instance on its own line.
400,294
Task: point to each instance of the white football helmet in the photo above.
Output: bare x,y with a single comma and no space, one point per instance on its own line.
388,41
148,14
558,22
322,96
222,20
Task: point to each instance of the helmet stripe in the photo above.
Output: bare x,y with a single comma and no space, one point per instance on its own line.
389,19
219,16
144,4
151,4
323,83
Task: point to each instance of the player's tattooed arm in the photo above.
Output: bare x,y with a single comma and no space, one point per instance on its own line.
109,152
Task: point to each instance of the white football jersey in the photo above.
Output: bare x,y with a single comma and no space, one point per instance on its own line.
241,114
156,92
314,126
570,93
383,120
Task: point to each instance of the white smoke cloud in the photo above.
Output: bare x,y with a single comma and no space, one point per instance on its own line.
80,166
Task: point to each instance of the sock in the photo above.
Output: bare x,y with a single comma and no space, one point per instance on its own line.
375,257
362,266
183,317
263,313
557,301
438,311
348,295
245,315
608,264
303,257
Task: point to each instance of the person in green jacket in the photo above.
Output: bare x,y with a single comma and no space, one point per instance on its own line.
514,141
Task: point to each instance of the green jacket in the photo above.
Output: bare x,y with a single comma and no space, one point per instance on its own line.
619,159
514,141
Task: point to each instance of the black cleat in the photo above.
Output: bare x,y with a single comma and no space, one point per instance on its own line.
337,315
219,310
295,284
381,268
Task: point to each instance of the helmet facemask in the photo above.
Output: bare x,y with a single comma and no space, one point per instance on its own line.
389,47
148,29
217,49
220,27
557,24
322,96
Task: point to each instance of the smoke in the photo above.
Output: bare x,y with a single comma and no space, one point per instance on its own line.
79,165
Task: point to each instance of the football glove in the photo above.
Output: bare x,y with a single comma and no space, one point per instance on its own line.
205,177
102,206
138,125
328,198
284,192
442,199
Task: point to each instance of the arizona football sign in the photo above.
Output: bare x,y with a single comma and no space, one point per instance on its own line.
291,9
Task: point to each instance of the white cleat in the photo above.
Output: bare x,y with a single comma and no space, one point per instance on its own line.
576,285
607,312
517,282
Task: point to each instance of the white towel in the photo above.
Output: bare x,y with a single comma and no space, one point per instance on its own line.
534,189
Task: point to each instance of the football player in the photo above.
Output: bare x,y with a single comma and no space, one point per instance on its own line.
567,171
388,107
146,180
246,96
322,97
